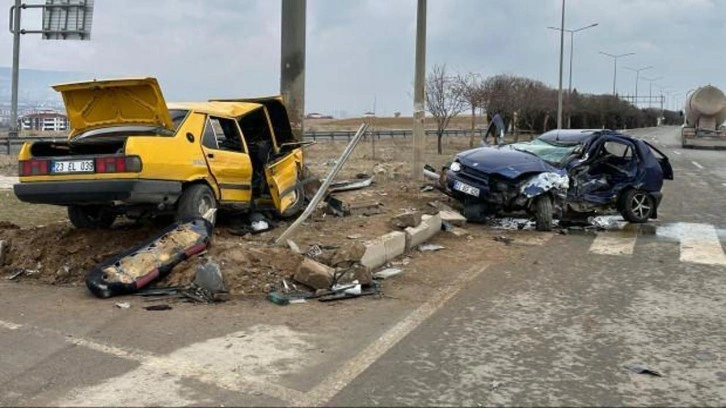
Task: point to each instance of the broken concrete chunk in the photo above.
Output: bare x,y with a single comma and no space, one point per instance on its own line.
357,273
348,254
453,218
341,207
314,274
407,219
387,273
383,249
209,276
430,226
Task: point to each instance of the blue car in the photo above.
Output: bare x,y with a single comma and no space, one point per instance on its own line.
561,174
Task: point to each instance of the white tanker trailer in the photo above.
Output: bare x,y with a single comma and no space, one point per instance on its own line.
705,113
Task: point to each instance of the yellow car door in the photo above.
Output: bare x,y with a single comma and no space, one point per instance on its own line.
282,177
227,158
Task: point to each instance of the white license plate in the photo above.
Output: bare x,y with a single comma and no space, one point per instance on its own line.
465,188
73,166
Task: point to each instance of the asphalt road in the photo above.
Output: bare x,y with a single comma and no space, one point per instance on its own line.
555,325
559,326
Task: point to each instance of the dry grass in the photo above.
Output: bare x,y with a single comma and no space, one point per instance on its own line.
28,215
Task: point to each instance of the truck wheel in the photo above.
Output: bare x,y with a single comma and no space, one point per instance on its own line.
638,206
196,200
542,208
90,216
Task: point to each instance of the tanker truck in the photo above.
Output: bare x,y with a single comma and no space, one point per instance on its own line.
705,113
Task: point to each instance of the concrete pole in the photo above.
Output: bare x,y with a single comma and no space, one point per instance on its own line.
292,62
15,75
562,46
419,87
569,86
615,74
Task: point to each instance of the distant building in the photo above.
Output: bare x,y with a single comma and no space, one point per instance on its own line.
369,115
45,121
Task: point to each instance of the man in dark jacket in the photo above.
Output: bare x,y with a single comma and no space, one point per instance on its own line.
496,128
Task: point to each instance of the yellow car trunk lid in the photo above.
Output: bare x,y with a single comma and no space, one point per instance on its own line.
116,102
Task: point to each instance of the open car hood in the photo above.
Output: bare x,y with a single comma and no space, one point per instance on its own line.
116,102
504,161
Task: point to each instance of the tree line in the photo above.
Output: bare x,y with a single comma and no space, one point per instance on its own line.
530,105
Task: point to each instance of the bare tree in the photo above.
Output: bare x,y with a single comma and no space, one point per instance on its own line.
471,87
444,100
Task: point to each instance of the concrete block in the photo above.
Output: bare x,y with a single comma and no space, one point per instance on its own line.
407,219
383,249
453,218
430,226
314,274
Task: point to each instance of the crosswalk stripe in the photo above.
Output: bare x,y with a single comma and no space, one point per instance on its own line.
622,244
700,244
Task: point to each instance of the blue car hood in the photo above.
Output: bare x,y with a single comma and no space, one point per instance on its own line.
504,161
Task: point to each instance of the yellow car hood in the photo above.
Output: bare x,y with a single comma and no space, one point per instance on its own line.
116,102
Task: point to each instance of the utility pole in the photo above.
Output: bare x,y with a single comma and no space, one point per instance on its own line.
615,66
419,107
292,62
650,88
637,79
572,51
562,49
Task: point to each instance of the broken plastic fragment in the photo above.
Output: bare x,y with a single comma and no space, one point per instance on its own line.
430,247
544,182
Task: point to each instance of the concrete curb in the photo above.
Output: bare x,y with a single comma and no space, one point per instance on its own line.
385,248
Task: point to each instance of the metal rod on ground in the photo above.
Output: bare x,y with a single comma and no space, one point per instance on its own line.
324,187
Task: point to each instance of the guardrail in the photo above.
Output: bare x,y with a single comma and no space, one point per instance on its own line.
318,136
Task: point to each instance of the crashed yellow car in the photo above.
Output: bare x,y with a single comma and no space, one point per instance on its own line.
129,153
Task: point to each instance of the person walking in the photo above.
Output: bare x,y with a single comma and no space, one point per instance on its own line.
496,129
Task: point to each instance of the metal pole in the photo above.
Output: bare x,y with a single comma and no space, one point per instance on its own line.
637,79
419,107
292,62
572,50
13,133
562,46
615,73
324,187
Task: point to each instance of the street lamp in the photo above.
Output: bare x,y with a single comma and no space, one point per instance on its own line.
650,89
637,78
615,65
572,40
562,47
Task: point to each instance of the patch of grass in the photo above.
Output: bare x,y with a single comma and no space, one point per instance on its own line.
28,215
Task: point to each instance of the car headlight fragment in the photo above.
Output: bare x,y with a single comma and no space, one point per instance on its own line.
455,166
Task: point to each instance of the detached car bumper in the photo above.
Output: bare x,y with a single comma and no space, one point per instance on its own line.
132,191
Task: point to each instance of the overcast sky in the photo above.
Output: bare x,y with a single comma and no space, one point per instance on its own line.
361,52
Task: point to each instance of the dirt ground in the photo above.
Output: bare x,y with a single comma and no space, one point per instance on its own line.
8,165
56,253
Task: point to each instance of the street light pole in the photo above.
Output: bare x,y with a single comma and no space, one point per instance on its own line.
637,79
562,46
572,48
615,65
650,89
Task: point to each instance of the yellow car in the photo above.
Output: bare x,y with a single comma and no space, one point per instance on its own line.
129,153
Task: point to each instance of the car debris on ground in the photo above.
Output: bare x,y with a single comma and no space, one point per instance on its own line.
137,267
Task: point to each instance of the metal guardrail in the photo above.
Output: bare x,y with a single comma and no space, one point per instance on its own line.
318,136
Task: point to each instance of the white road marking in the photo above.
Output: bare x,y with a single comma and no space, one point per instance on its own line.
697,165
699,242
677,152
606,244
10,325
327,389
723,184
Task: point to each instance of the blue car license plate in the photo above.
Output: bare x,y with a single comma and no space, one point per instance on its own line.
466,189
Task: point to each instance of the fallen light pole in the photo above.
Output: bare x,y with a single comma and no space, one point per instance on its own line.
326,184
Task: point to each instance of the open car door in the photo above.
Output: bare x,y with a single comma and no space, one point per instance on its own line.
665,164
283,179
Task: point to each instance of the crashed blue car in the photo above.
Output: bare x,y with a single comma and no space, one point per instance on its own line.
565,174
